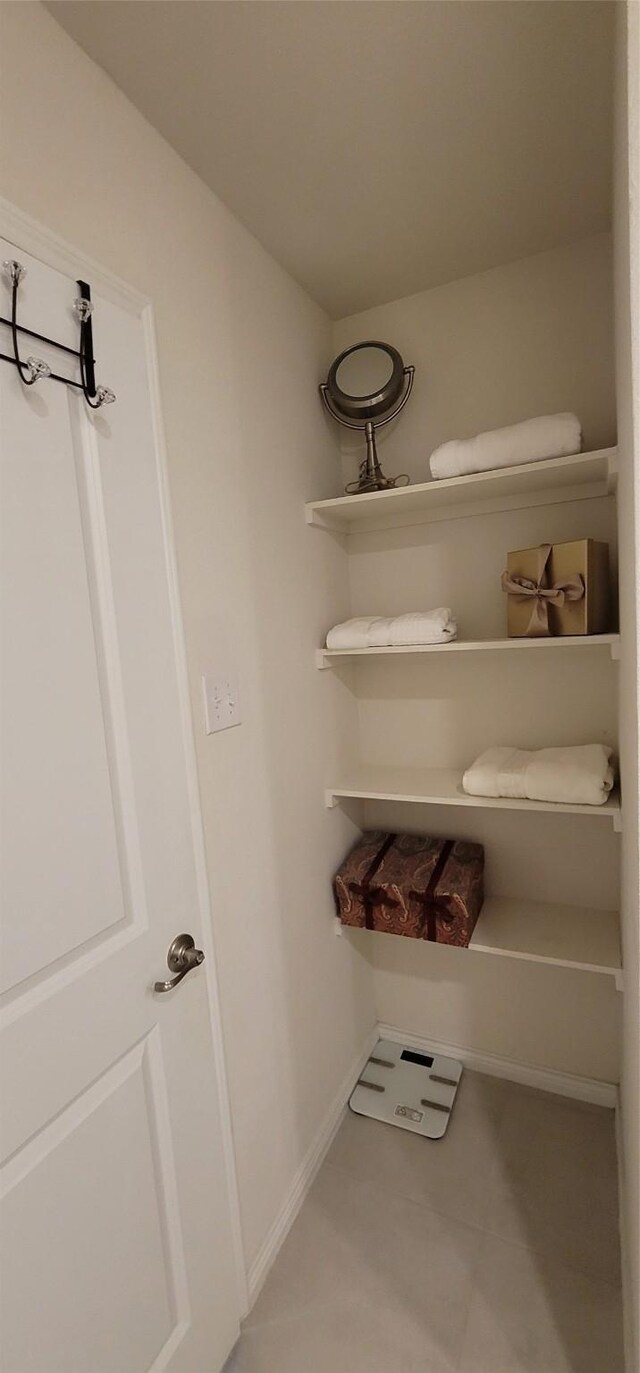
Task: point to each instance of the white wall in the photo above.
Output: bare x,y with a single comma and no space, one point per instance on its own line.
627,295
532,337
241,349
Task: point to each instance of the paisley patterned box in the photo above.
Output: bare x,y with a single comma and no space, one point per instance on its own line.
412,885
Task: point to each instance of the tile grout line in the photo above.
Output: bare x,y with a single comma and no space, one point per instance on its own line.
474,1271
481,1229
403,1196
392,1191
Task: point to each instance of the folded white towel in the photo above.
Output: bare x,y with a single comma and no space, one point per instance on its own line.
418,627
548,436
580,775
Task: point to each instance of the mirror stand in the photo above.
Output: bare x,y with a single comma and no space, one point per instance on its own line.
371,477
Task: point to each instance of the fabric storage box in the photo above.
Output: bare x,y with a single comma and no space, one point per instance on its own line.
411,885
558,589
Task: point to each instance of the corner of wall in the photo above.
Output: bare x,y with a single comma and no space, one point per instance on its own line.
627,293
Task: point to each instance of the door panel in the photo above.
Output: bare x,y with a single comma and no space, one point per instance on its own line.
52,699
113,1221
116,1211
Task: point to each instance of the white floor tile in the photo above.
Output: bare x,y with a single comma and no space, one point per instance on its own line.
493,1250
531,1314
340,1339
359,1254
554,1186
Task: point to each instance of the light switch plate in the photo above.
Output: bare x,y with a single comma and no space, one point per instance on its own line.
221,702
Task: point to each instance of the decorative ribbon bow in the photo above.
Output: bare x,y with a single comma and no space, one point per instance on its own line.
372,897
543,596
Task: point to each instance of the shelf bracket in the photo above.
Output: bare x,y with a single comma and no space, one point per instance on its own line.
615,650
315,518
331,800
619,979
321,661
612,472
617,821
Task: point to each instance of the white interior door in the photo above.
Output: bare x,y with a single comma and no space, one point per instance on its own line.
117,1239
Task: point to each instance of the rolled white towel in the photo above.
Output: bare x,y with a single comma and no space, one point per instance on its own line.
580,775
547,436
423,627
352,633
379,635
416,628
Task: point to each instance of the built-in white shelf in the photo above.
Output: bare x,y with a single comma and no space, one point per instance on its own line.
533,931
443,787
325,657
544,932
578,477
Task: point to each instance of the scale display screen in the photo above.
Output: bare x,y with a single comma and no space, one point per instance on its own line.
423,1060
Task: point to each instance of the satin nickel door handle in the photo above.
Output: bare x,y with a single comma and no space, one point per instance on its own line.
182,956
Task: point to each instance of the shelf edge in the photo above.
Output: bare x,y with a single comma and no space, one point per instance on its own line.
325,657
611,810
320,513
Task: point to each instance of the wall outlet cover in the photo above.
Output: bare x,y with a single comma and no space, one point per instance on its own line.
221,702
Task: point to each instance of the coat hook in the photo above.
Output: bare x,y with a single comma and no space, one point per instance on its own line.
82,308
34,368
14,270
38,368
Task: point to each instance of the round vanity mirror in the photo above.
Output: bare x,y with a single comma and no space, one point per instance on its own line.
368,382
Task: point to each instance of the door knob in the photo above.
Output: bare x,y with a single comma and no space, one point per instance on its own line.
182,956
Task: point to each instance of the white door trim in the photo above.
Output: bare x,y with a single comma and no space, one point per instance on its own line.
55,252
42,243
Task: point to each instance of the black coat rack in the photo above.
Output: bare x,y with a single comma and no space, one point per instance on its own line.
33,369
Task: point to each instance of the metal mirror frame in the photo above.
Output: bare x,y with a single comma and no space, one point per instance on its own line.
371,406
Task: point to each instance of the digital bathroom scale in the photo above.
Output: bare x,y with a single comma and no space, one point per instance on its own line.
402,1087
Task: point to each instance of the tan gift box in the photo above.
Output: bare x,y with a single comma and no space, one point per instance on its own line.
560,588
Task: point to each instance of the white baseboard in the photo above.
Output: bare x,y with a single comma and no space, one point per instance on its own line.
546,1079
306,1173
